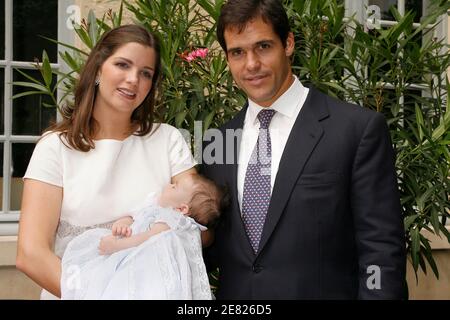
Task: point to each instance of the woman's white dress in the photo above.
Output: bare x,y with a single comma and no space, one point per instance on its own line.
102,184
168,265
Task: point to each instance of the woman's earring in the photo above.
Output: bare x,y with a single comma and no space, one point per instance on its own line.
97,82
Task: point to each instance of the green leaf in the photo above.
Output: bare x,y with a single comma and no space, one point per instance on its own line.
48,105
209,8
179,118
28,76
434,219
432,263
444,125
415,247
425,197
28,93
422,263
70,61
67,46
92,23
46,69
404,22
30,85
208,120
118,19
420,122
445,232
409,221
84,37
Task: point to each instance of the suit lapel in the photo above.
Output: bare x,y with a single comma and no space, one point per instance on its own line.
236,124
305,135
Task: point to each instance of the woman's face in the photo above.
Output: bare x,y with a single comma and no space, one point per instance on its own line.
126,78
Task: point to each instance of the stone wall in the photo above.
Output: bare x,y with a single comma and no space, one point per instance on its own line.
100,7
428,287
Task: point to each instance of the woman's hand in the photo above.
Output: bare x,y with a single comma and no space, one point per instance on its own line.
108,245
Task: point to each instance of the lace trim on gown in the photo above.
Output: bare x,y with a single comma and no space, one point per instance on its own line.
66,232
65,229
189,231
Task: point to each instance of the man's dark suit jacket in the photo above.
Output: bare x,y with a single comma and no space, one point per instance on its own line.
334,213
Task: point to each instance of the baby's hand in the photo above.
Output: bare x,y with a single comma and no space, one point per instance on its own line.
108,245
121,229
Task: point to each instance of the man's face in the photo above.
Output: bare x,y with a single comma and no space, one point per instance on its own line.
259,62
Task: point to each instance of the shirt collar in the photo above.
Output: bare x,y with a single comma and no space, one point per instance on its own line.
285,105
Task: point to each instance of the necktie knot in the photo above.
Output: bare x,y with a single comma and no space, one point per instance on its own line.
264,117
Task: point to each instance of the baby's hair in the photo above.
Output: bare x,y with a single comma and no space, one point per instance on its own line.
208,201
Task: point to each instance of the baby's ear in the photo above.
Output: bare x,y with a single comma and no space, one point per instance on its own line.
184,209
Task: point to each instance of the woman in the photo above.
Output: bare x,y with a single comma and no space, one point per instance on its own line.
103,158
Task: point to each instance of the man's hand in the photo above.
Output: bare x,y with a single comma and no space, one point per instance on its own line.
108,245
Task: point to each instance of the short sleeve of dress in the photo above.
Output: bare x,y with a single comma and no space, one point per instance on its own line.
180,155
46,162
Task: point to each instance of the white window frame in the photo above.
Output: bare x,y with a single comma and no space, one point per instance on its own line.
358,8
9,218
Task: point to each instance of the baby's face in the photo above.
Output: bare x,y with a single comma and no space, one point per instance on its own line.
176,194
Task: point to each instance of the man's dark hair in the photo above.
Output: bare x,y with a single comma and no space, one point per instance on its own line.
237,13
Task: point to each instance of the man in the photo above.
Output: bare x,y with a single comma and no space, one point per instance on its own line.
315,210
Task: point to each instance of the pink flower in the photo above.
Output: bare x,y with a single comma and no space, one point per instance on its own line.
191,56
201,53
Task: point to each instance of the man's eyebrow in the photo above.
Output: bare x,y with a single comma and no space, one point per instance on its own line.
131,62
263,41
233,49
254,45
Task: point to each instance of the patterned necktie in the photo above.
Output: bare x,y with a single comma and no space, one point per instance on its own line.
256,196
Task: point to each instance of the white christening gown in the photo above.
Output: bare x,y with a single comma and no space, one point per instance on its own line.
168,265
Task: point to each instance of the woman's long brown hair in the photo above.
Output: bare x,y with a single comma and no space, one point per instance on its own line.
78,126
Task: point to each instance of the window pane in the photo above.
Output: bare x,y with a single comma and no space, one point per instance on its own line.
384,7
2,30
416,6
30,20
21,154
30,116
2,101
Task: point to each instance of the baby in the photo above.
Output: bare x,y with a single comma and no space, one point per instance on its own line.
194,196
153,253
